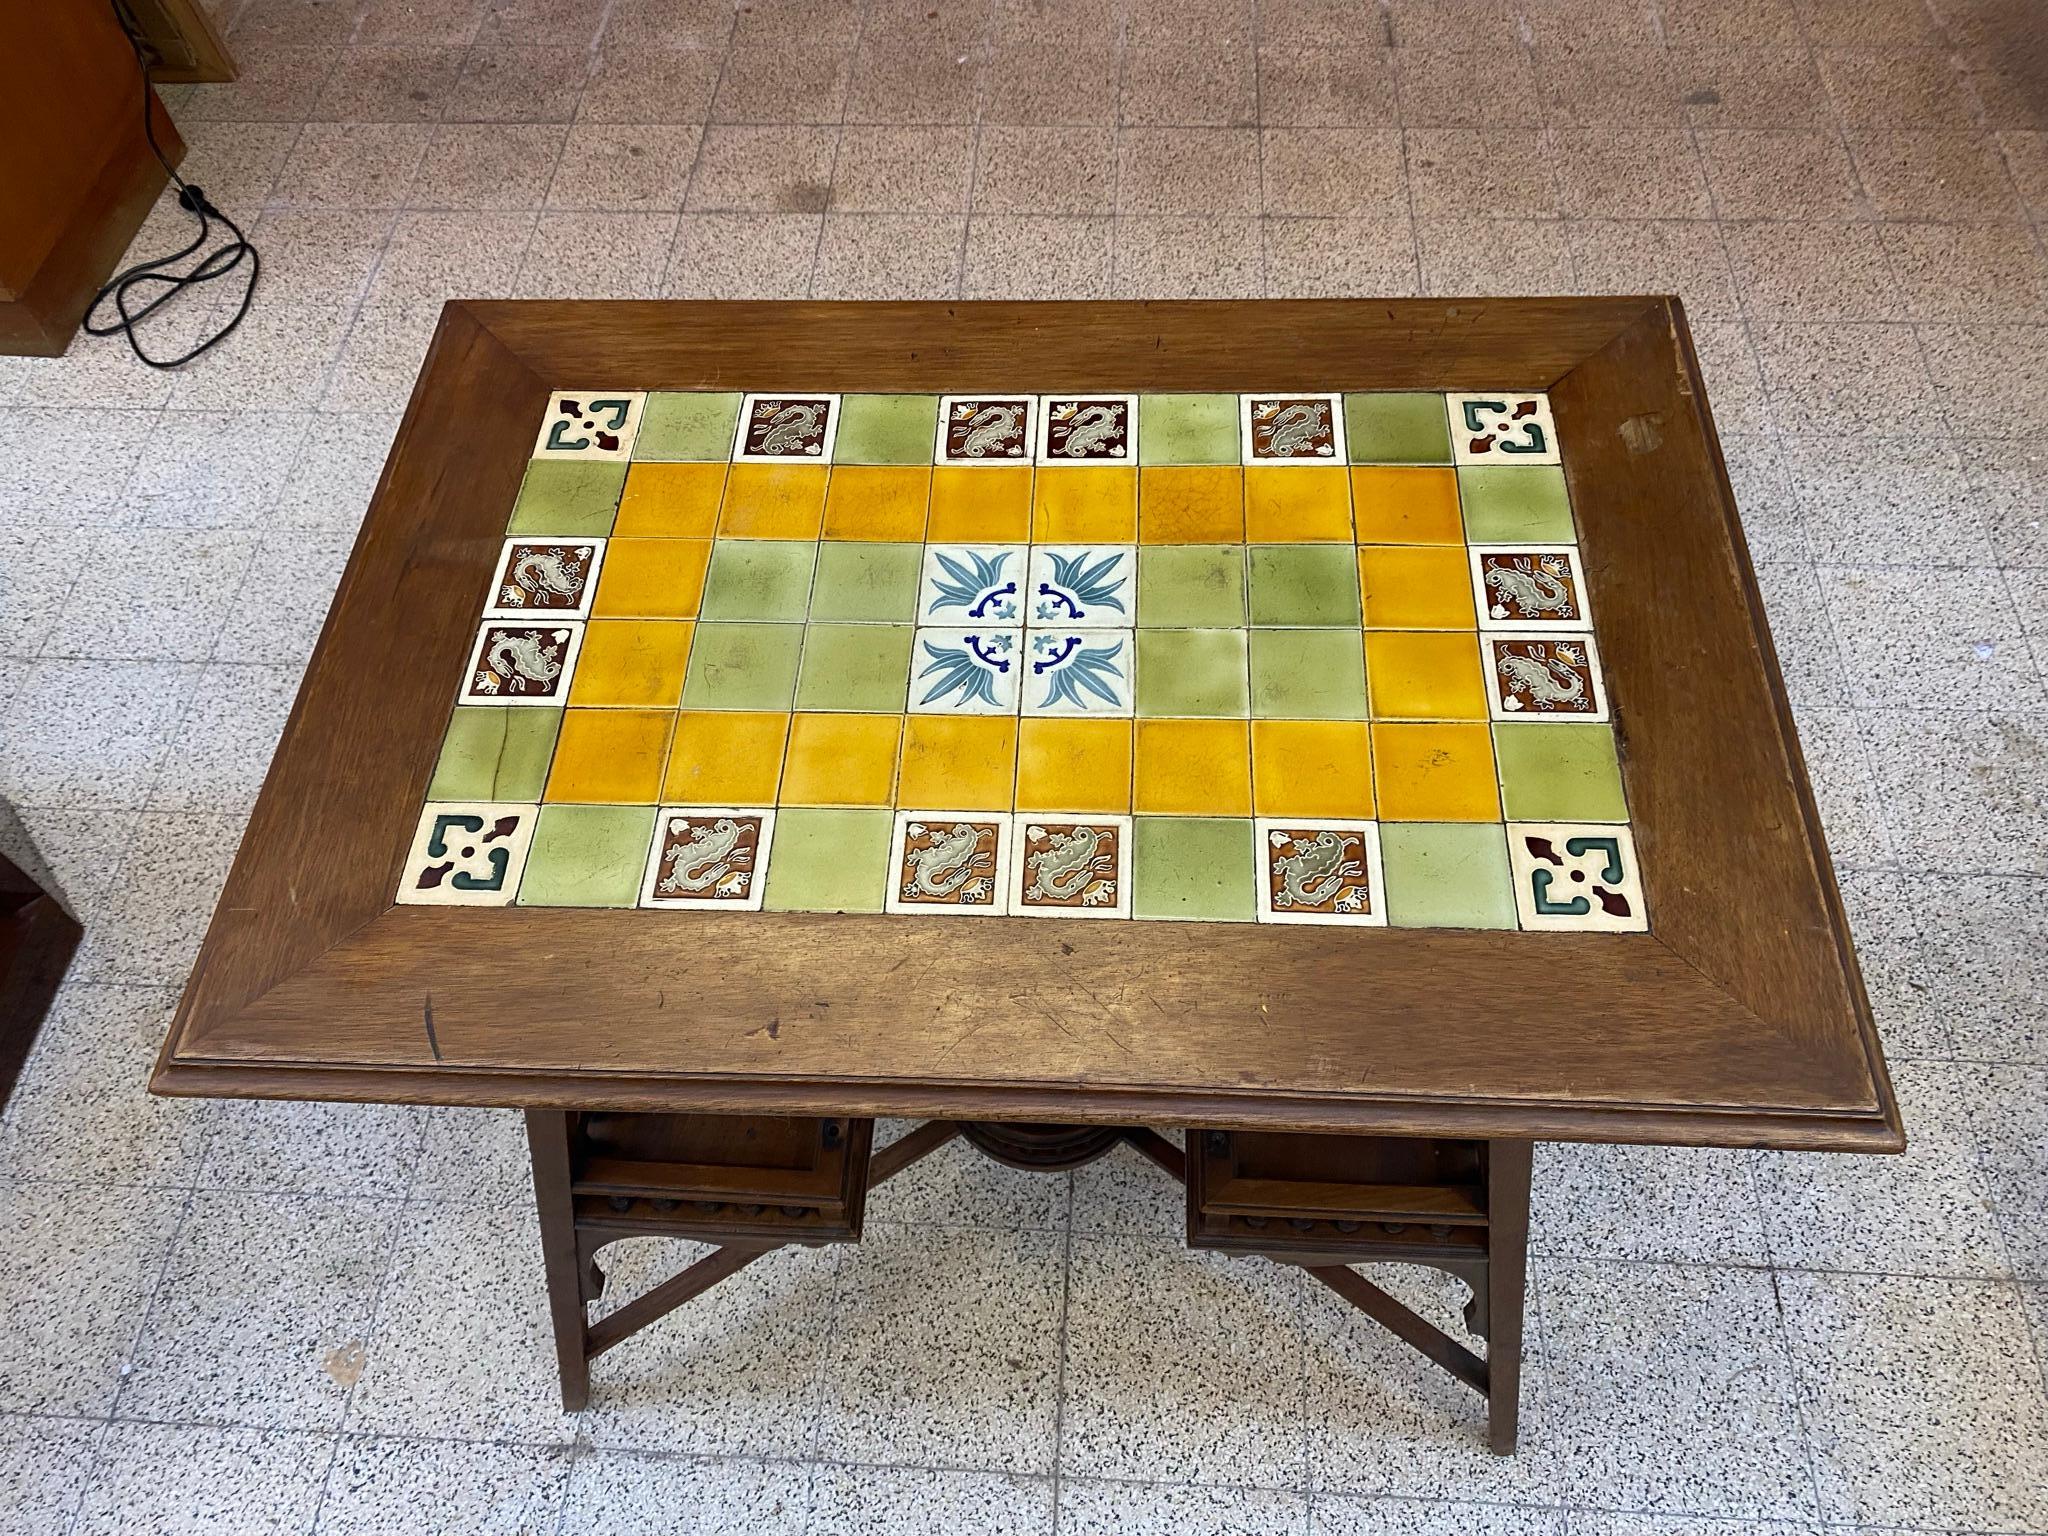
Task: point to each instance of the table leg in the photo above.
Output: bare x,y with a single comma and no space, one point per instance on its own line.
1507,1199
547,1135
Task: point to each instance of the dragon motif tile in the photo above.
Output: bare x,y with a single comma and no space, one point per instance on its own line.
986,429
467,853
1078,672
555,578
981,584
714,858
1088,429
1082,586
966,671
1503,428
1529,586
1072,866
1291,429
783,429
1576,876
1545,677
582,424
1314,871
955,862
522,663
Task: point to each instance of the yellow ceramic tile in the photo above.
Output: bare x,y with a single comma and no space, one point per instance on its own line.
632,662
1074,765
1191,504
1297,503
1396,504
651,578
1414,586
958,762
725,757
1085,504
1194,767
841,760
1312,768
980,504
773,501
878,501
671,501
610,756
1435,772
1423,675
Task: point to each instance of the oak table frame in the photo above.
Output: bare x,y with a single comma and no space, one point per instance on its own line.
1739,1019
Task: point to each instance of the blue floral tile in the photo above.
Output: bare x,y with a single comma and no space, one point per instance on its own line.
1082,586
965,671
972,584
1078,671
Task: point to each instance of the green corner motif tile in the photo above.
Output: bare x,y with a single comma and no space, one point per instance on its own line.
1396,429
1187,429
1195,868
1308,674
886,429
587,856
742,666
679,427
828,860
1447,874
1515,503
766,579
568,498
1304,584
1191,586
1195,672
495,754
1557,770
866,583
860,667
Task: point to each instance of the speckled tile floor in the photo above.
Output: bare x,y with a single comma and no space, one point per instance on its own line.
279,1317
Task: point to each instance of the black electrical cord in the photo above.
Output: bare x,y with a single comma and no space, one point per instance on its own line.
216,264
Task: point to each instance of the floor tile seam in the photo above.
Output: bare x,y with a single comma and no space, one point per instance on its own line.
982,49
1116,149
684,211
1059,1391
130,1353
401,1234
860,32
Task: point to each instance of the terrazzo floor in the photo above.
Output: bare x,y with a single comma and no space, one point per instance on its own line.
241,1318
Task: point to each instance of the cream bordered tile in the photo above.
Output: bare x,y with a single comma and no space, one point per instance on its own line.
965,671
467,853
787,429
1291,429
1071,866
554,578
1315,870
515,663
986,429
1529,586
972,584
1508,427
713,858
1079,672
1576,875
950,862
1545,677
581,424
1083,586
1088,429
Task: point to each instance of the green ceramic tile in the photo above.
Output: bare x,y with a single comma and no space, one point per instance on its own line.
674,427
569,497
1515,503
1308,674
1395,429
1447,874
1197,868
759,579
1558,770
1187,429
742,666
495,754
1312,584
587,856
886,429
1193,672
828,860
1191,586
866,583
863,667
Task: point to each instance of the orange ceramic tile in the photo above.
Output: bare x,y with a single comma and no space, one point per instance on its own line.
1414,586
725,757
1194,768
773,501
1438,772
980,504
958,762
1422,674
610,756
1312,768
1191,504
883,502
1397,504
841,759
1074,765
1297,504
671,501
651,578
631,662
1085,504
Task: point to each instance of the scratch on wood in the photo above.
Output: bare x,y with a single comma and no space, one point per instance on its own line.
433,1041
772,1029
1639,435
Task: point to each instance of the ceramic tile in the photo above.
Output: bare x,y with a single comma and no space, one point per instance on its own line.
723,757
866,582
883,503
630,663
522,664
1079,766
1312,768
855,667
1576,877
1199,672
841,759
980,504
687,427
1558,768
1511,428
1192,767
1514,504
1320,872
1078,672
541,577
709,857
1193,504
1088,429
589,425
1415,587
951,863
1192,868
1550,677
1085,504
1303,584
963,671
1082,586
1396,428
776,429
567,499
1191,586
976,584
1405,504
1424,675
886,429
1070,867
1189,429
1306,674
1286,504
829,860
985,429
968,760
1441,771
610,756
774,501
1291,429
587,856
1529,586
467,854
743,666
